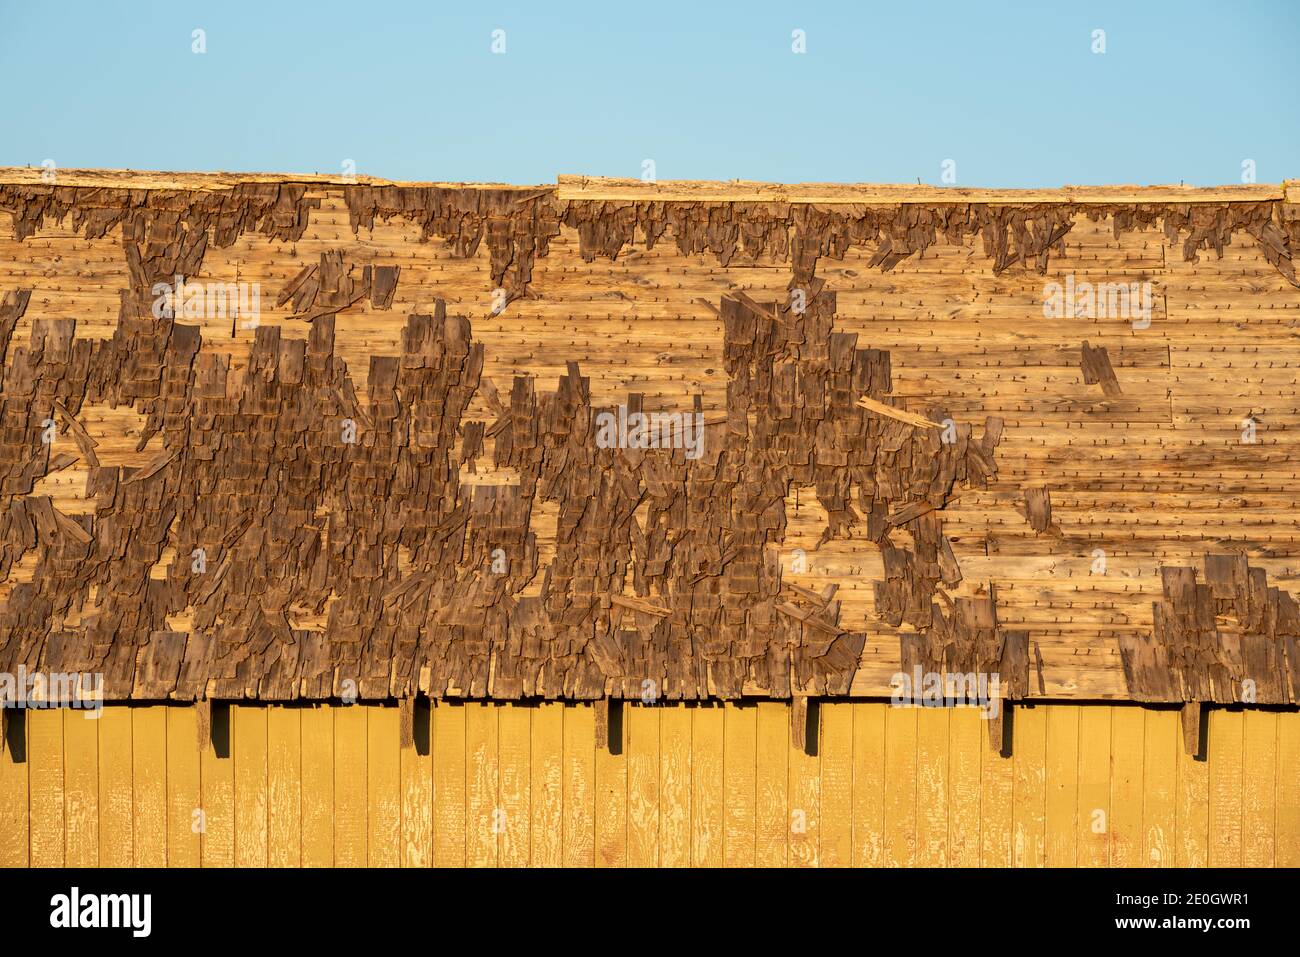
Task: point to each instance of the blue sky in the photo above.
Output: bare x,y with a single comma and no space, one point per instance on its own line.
1011,92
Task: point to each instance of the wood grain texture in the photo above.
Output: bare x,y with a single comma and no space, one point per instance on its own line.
485,818
217,780
351,810
773,776
1061,783
450,775
81,789
869,785
318,786
383,788
740,783
184,790
417,793
149,785
284,786
117,791
46,827
548,770
1128,753
643,784
1093,794
611,819
249,726
514,743
708,786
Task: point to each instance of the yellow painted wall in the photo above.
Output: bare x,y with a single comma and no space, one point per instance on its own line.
516,785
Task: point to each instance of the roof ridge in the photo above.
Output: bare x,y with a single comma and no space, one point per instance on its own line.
572,187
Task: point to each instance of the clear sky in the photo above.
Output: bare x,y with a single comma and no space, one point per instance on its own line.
885,92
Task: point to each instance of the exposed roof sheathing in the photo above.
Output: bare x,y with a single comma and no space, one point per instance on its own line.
908,428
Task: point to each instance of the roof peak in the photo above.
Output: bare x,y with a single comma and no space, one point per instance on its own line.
606,189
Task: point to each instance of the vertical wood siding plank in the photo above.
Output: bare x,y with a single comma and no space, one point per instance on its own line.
996,806
1128,756
15,808
45,758
217,778
417,794
1164,739
1225,752
149,785
1029,754
932,786
773,771
1259,788
739,767
284,786
1192,826
116,797
836,788
547,837
579,785
1094,786
967,736
184,789
1288,792
675,786
317,786
350,759
483,814
1062,783
900,786
706,785
611,803
869,783
514,734
248,725
80,788
803,818
383,787
449,784
642,784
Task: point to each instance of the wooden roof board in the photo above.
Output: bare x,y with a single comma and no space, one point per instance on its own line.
1156,477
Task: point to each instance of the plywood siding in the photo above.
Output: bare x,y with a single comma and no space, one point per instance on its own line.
517,785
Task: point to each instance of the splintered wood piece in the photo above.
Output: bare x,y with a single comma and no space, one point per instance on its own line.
701,301
902,415
85,443
406,722
807,593
1095,363
295,284
997,729
1191,717
151,468
203,711
799,722
601,708
753,304
73,528
639,604
808,618
1038,509
60,462
384,286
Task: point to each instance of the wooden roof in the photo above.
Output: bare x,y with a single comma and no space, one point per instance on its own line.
1042,433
